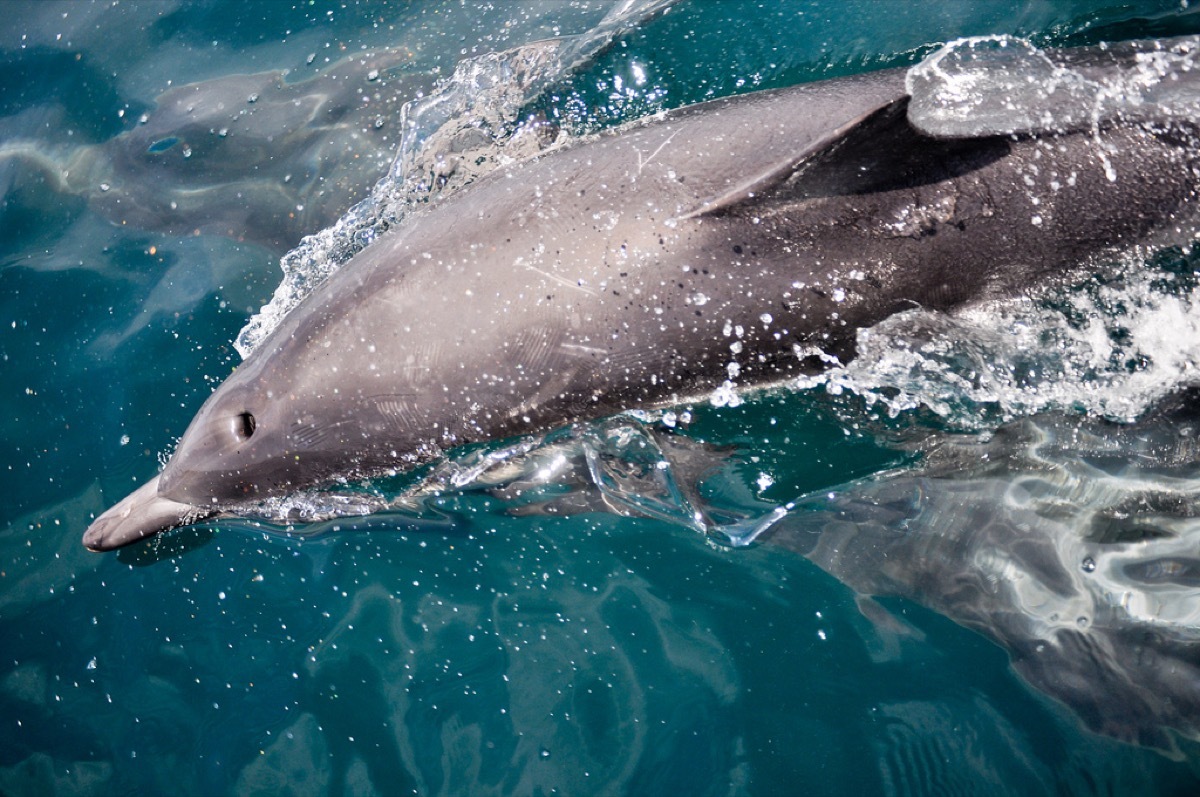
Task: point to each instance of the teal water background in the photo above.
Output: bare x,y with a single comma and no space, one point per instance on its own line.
478,652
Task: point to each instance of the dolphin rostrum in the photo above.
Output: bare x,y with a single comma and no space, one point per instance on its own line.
729,244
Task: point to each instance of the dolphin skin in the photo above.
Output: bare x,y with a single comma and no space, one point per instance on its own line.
730,244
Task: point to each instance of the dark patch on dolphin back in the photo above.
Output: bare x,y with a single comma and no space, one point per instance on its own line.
885,153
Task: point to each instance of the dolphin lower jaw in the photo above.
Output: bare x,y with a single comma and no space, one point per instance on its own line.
141,514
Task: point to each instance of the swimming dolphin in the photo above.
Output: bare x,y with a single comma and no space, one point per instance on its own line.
730,244
262,157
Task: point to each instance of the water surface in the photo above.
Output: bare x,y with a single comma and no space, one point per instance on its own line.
471,648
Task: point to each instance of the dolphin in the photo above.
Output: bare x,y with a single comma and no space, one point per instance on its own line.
727,245
264,157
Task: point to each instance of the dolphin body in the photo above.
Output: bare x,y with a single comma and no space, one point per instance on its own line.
254,157
729,244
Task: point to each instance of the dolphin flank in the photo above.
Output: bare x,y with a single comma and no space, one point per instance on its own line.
734,243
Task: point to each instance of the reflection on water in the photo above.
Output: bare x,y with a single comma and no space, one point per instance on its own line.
1069,541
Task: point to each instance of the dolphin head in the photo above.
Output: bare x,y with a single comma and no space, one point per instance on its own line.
233,451
246,443
207,473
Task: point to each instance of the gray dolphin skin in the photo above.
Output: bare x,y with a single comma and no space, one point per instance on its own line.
733,243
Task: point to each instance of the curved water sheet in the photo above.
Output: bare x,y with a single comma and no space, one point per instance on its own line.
467,126
638,465
1070,541
998,85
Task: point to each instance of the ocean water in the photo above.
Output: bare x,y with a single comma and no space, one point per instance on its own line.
589,639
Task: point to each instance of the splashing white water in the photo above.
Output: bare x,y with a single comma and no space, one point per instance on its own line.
1112,351
992,85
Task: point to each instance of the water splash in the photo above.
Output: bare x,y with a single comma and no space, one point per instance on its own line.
468,126
635,465
994,85
1111,347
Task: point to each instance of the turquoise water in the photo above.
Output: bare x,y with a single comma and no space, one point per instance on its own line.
473,649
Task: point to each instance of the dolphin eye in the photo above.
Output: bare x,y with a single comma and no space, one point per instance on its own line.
244,426
162,145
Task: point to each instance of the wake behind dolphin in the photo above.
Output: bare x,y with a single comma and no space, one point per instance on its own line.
727,245
1070,541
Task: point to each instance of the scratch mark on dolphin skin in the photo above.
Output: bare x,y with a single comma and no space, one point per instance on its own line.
554,277
644,163
579,350
397,411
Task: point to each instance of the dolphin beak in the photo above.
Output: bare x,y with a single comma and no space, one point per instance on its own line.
142,513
